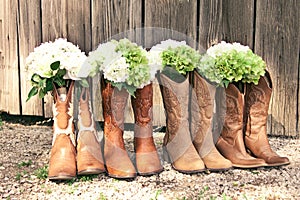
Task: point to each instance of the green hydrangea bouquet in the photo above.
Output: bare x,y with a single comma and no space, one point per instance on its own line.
124,64
225,63
176,58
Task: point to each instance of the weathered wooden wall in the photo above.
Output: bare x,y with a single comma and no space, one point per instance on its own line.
269,27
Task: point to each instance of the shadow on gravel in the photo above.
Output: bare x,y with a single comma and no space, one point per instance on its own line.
25,120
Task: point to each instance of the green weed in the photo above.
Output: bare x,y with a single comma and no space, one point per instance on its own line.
42,173
24,164
102,197
85,178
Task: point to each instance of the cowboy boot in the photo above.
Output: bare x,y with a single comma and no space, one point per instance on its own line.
201,125
117,161
147,159
231,142
257,101
177,145
89,153
62,164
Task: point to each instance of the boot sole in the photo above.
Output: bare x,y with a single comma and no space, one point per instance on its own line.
219,169
150,173
278,164
248,166
90,172
189,171
121,177
61,177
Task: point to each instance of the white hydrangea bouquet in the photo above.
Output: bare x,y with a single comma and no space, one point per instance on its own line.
225,63
124,64
53,64
174,57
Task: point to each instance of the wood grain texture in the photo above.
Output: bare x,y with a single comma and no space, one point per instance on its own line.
9,61
167,19
113,19
170,20
54,25
68,19
228,20
277,41
30,36
269,27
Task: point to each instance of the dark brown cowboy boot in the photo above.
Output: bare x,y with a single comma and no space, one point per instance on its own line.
201,125
257,101
231,142
89,153
62,164
117,161
177,145
147,159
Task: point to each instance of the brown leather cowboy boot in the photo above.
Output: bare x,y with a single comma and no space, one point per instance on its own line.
257,99
201,125
231,142
117,161
89,153
147,159
177,145
62,164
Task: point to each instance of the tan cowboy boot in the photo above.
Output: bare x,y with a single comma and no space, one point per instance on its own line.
201,125
177,145
89,153
117,161
62,164
147,159
257,101
231,142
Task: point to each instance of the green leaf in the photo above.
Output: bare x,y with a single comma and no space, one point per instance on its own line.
131,90
42,93
84,83
32,93
61,72
35,78
49,85
59,82
55,65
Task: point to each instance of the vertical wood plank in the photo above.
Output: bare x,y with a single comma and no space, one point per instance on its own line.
277,41
170,20
9,62
112,19
227,20
78,23
67,19
79,32
54,25
29,37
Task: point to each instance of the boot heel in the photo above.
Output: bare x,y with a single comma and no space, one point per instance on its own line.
166,156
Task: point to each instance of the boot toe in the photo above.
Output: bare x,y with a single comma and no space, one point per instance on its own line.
249,163
277,161
148,163
121,174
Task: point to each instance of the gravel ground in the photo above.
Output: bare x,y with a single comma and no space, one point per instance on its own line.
25,148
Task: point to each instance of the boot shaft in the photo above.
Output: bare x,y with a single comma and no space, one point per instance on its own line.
142,105
233,121
176,100
257,100
63,112
114,102
202,107
85,117
175,95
